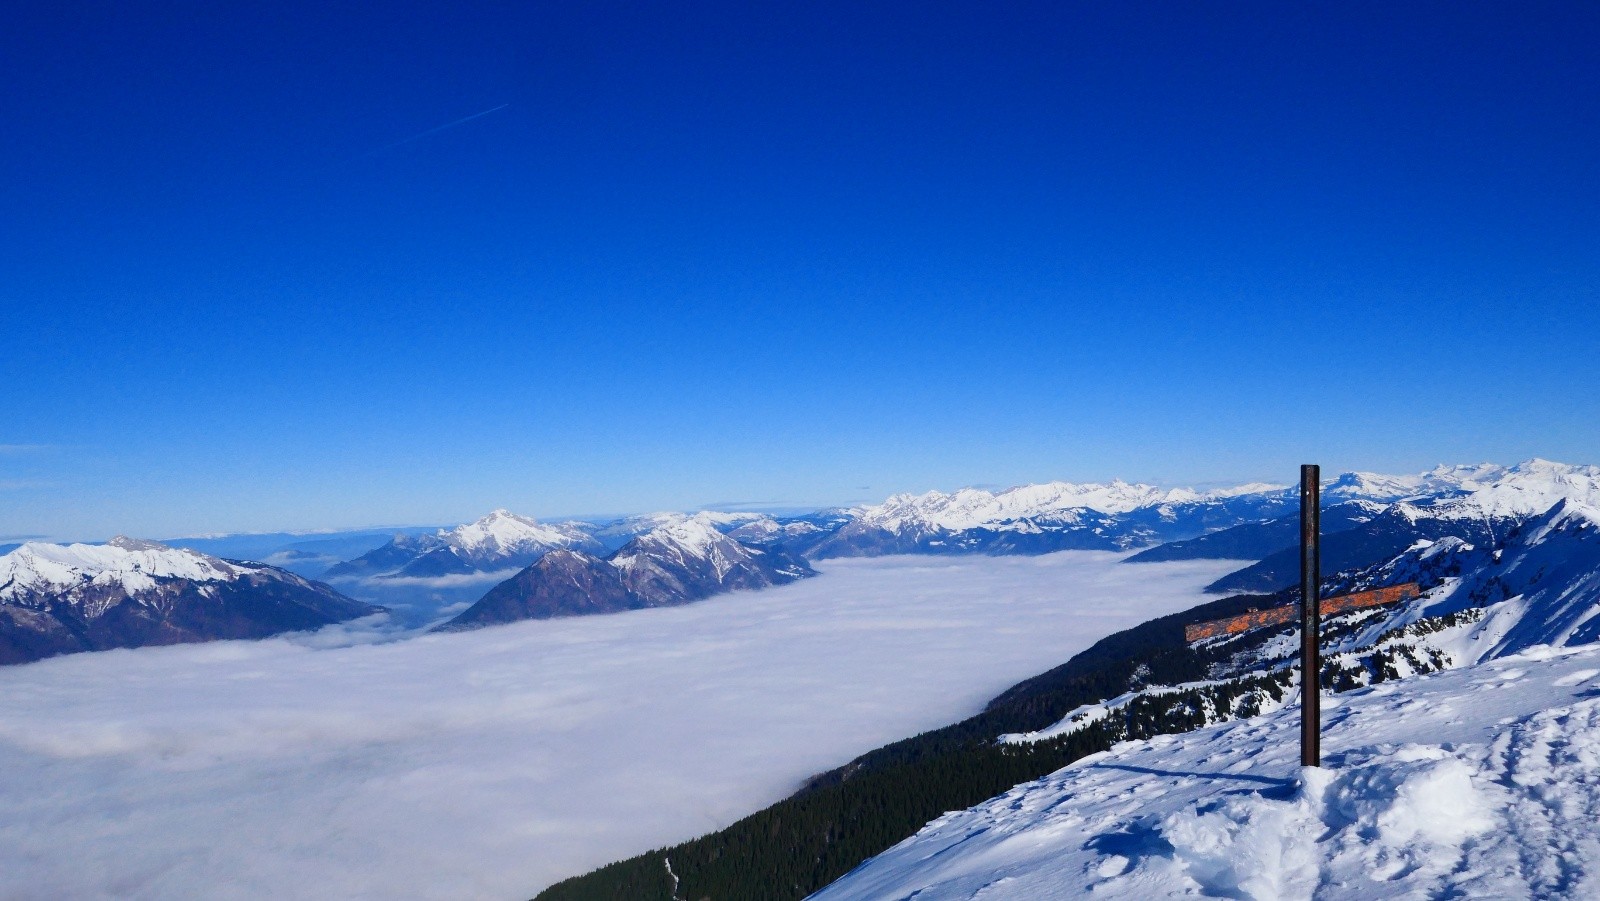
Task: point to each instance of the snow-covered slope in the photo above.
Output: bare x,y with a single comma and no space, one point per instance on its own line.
1540,586
1475,783
57,599
1527,489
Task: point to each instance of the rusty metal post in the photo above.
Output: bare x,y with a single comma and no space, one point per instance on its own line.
1310,625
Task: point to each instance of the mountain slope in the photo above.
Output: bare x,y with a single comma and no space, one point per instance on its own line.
1473,783
58,599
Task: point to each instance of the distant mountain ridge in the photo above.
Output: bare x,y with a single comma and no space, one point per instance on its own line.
58,599
541,569
1369,516
1030,519
1474,503
681,560
502,540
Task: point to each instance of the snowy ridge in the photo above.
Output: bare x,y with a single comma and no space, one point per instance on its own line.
505,534
634,526
58,599
1441,480
684,542
971,508
1477,782
1125,515
1527,489
1483,489
37,568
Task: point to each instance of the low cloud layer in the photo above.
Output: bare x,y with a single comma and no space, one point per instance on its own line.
490,764
453,580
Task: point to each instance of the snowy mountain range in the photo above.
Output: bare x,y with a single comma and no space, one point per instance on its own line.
682,559
1042,518
1469,499
57,599
669,558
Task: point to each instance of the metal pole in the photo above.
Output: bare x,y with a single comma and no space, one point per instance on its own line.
1310,626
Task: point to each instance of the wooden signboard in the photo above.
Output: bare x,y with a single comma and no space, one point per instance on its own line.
1277,616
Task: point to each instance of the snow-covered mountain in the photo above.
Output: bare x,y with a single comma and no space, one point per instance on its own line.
618,532
56,599
499,541
1245,522
682,559
1463,784
1478,504
1478,783
1441,480
1031,519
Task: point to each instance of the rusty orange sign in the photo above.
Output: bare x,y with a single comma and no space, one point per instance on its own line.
1277,616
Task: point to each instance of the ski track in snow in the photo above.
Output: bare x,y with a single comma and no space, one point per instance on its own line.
1481,782
489,764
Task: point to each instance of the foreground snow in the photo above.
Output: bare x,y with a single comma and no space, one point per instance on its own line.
490,764
1482,782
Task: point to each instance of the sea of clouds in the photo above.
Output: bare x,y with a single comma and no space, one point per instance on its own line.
491,764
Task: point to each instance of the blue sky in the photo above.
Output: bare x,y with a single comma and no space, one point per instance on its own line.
800,254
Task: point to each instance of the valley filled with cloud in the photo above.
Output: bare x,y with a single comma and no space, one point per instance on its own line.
495,762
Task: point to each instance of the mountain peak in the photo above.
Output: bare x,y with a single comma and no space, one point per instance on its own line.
502,533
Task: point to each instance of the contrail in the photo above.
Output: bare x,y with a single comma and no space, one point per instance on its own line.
434,131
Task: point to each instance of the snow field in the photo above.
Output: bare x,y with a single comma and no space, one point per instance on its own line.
1482,782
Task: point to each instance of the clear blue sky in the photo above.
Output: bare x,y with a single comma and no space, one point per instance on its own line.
791,253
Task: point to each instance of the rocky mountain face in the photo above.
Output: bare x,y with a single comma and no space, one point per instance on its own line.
678,561
500,541
57,599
